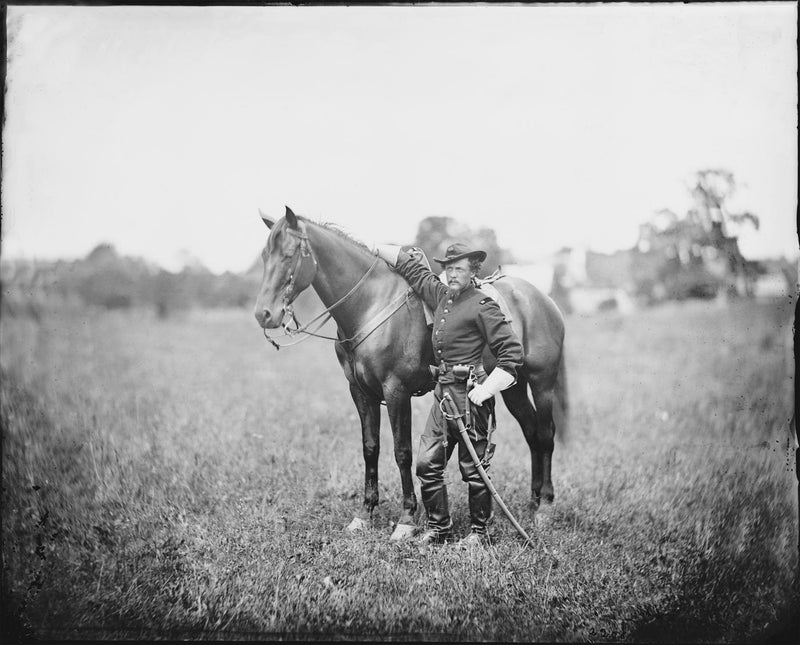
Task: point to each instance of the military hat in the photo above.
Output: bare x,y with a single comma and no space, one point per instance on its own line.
459,250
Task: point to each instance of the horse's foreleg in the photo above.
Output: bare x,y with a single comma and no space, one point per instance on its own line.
399,409
370,415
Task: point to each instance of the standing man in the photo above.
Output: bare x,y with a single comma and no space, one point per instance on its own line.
465,322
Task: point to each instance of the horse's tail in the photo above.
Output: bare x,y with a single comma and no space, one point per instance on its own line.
562,398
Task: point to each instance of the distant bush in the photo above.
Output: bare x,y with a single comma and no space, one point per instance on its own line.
692,282
112,289
107,280
168,295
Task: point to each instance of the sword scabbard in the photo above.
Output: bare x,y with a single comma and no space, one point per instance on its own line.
449,403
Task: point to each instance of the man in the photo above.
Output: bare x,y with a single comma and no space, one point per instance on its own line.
465,322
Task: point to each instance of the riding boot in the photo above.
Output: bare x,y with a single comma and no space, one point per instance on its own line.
431,462
437,508
480,499
480,506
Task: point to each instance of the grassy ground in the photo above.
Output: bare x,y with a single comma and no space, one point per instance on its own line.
181,479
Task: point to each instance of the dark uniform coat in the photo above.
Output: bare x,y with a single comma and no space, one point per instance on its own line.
464,324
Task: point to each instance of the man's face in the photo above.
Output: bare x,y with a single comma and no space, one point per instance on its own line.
458,274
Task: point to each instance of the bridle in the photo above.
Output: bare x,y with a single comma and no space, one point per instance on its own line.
302,253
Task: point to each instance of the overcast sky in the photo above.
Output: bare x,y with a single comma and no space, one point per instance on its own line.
162,130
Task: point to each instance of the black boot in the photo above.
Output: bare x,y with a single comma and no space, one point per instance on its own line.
434,499
435,536
480,506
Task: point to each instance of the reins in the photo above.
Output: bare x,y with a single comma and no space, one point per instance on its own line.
304,250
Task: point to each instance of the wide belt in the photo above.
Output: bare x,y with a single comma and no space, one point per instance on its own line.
446,373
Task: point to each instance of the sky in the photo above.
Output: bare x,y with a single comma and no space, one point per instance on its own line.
163,130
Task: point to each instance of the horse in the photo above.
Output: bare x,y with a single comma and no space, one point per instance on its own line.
384,347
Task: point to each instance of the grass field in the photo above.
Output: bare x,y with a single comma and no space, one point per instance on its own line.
180,479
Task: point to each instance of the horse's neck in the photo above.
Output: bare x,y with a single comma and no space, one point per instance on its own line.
341,264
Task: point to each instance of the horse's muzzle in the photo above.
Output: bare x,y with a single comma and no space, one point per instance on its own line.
267,319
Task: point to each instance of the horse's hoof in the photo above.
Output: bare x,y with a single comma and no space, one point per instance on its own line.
543,517
357,525
403,532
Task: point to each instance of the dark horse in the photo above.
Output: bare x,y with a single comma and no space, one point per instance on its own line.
384,346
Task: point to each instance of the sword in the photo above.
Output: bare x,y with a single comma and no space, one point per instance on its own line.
452,413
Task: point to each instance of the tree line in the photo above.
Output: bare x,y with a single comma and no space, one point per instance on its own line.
105,279
675,257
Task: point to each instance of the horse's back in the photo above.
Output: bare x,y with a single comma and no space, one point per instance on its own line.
537,322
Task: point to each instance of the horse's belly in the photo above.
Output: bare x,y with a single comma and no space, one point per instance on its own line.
394,360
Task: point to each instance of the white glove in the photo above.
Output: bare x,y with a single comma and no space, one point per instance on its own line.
497,381
387,252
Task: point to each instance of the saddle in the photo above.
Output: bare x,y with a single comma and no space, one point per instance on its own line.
487,286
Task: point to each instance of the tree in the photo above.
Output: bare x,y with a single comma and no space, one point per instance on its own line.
436,233
695,255
712,189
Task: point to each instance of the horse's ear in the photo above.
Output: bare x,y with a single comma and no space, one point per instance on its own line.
291,218
268,221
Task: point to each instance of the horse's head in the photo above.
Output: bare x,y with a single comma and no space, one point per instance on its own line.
289,268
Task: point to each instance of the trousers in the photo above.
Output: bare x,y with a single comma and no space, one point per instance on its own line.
436,445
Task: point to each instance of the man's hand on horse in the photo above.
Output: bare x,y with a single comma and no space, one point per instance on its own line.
387,252
497,381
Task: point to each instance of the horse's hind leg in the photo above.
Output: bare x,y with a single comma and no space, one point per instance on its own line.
537,427
545,433
370,414
399,408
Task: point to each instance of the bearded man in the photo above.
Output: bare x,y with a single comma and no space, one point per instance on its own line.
465,322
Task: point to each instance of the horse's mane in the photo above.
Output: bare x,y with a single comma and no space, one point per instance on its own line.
338,230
